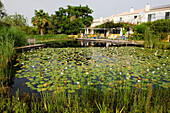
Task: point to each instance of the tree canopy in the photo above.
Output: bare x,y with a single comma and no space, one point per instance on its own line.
16,20
72,18
2,10
40,20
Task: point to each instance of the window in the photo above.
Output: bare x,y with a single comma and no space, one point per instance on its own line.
115,31
167,15
120,19
151,17
135,17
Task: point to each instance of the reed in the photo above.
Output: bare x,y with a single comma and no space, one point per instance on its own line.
6,52
120,101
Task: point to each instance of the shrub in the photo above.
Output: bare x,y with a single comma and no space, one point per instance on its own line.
160,28
151,40
16,34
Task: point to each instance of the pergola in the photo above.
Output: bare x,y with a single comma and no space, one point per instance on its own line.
90,30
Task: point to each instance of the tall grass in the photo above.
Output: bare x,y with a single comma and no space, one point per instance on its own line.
10,37
109,101
6,52
152,41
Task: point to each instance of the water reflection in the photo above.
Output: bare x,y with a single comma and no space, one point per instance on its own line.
97,44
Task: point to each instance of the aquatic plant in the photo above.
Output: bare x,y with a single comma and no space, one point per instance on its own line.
70,69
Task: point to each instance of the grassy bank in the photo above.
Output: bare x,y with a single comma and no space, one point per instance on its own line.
47,38
111,101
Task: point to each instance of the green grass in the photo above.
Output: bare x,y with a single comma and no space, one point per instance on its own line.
121,101
46,38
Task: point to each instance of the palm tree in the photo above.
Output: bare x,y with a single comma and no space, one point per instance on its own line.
40,20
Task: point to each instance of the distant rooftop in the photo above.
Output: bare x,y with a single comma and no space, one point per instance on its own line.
162,6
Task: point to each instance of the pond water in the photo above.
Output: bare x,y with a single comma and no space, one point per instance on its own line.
72,68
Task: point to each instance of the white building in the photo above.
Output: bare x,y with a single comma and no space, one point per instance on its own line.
137,16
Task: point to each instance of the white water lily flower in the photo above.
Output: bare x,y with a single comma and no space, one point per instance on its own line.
165,73
128,77
46,69
147,69
131,56
156,52
153,72
87,72
110,68
139,80
65,67
88,83
157,68
143,48
77,82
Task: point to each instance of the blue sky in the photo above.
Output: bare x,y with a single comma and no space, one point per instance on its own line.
102,8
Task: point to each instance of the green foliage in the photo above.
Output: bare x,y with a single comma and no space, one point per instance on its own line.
18,36
6,51
151,41
15,33
46,38
2,10
16,20
30,30
139,31
137,36
90,101
139,28
72,18
152,33
40,20
160,28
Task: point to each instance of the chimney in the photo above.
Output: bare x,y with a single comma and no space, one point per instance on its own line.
147,8
101,19
131,10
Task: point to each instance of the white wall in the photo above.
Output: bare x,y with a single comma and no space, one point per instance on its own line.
141,16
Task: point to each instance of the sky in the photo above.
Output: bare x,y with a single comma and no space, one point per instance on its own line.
101,8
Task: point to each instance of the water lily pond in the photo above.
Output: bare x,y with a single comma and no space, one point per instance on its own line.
70,69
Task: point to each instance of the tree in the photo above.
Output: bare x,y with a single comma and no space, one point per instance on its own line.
40,20
72,18
2,10
16,20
